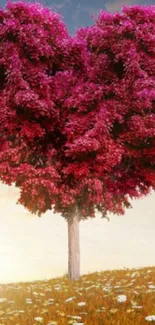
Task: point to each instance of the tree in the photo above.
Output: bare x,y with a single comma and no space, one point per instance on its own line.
77,114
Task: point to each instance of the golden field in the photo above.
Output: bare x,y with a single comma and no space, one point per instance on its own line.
118,297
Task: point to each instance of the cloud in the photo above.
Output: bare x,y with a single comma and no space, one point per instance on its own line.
93,10
116,5
58,6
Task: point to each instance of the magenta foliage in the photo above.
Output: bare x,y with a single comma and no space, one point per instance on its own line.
77,114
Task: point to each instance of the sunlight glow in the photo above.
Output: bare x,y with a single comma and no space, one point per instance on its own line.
33,248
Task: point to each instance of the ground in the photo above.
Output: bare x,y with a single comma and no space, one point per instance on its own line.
118,297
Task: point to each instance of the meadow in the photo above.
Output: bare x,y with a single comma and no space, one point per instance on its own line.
118,297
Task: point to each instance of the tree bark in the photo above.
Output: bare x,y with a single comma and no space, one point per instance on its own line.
73,246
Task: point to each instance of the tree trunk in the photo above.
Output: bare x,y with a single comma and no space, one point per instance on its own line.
73,246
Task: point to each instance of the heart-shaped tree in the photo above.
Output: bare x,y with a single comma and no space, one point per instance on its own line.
77,114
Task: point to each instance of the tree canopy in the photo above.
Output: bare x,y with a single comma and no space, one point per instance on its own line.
77,114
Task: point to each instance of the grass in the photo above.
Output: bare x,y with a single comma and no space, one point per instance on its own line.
118,297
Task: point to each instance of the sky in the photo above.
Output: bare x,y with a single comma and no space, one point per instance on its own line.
33,248
77,13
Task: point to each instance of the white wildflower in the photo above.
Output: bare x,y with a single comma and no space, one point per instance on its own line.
69,299
38,319
28,301
150,318
151,286
3,300
121,298
74,317
82,303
